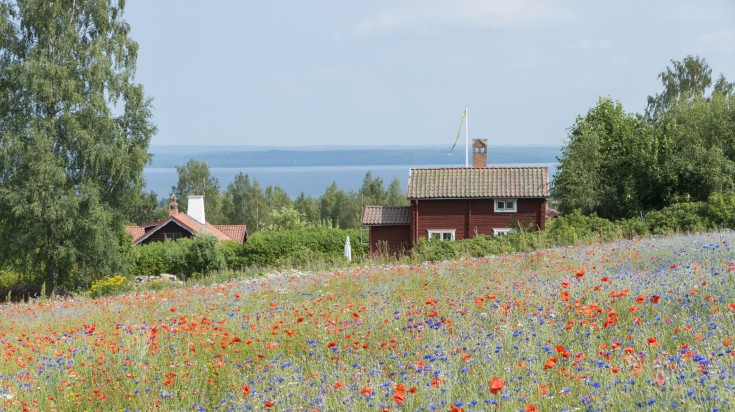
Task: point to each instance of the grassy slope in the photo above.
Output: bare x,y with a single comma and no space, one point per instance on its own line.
429,336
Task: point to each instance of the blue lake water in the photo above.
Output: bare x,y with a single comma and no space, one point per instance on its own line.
312,181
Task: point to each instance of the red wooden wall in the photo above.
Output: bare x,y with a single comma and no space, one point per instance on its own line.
470,217
397,239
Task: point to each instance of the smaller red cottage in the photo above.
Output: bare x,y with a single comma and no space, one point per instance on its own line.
180,224
389,229
461,202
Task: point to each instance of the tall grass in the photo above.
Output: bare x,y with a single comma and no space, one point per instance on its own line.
633,324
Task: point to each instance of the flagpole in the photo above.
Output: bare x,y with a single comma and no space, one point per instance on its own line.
466,138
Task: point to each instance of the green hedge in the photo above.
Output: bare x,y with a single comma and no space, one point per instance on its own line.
184,257
298,248
303,247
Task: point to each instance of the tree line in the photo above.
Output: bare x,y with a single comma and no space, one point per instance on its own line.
245,201
619,165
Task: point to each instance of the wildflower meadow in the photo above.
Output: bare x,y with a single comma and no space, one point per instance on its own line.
631,325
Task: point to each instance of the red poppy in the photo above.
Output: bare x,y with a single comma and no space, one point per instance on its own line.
245,389
652,341
550,363
366,391
562,351
399,397
580,273
655,298
496,385
531,408
605,279
268,404
565,284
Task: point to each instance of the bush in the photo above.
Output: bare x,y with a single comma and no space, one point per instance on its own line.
183,257
203,256
679,217
161,257
720,209
575,227
299,247
434,251
109,286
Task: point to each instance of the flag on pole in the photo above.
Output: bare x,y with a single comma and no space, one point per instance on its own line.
464,114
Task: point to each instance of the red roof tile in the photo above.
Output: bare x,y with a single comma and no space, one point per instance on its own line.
193,226
236,232
478,182
386,215
135,231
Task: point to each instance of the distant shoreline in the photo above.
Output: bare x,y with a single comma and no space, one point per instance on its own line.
310,180
248,156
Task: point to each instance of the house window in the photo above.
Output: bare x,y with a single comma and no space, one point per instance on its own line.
506,205
441,234
501,231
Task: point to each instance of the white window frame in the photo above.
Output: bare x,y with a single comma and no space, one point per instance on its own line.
504,209
443,233
501,231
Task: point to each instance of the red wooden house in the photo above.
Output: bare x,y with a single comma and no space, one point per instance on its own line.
460,203
180,224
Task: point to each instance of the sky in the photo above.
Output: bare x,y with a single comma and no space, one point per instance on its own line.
401,72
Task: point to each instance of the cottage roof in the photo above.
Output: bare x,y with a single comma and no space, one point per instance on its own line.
135,231
221,232
236,232
476,182
386,215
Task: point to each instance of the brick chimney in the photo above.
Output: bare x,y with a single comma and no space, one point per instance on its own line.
196,208
479,152
173,207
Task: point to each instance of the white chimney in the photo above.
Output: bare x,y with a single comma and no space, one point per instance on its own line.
196,208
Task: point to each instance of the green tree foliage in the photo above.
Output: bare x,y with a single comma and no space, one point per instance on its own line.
619,165
74,133
147,208
600,163
308,207
338,208
239,202
684,81
195,179
394,196
286,218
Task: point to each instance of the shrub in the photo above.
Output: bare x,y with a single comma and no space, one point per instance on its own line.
689,216
203,255
109,286
296,247
720,209
575,227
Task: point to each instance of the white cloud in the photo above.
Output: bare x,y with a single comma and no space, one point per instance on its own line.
587,44
420,15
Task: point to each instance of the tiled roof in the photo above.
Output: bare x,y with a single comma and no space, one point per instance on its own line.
386,215
135,231
478,182
237,232
193,226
